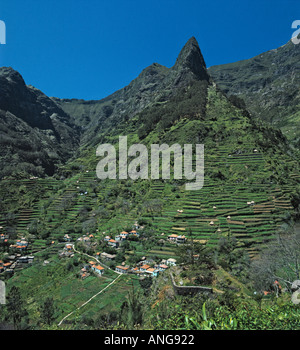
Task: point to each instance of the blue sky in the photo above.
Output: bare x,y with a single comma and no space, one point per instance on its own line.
90,48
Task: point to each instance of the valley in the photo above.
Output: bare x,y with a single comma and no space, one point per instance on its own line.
100,254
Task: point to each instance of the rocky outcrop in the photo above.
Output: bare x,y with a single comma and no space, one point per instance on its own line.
155,84
35,131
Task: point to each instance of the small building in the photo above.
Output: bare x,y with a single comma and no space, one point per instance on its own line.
171,262
98,269
7,265
163,267
3,237
172,237
20,245
181,239
152,272
144,267
122,269
67,238
84,275
22,260
113,243
134,233
107,256
124,235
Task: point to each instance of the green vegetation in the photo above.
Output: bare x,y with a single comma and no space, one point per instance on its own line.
268,84
251,194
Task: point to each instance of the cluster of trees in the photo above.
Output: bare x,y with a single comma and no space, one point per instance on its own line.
14,311
188,102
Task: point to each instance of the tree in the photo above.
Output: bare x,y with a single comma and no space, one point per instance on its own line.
15,307
132,311
146,284
226,250
193,252
47,310
280,262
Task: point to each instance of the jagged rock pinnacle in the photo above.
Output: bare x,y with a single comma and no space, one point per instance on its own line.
190,60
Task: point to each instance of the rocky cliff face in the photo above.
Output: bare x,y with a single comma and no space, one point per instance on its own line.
39,133
190,64
155,84
35,133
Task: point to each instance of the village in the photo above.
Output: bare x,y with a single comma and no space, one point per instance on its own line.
19,256
146,267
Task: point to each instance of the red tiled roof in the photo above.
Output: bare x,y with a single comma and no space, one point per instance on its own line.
163,266
145,267
150,270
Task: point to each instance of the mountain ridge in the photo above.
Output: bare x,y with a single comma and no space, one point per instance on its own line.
269,84
67,124
34,129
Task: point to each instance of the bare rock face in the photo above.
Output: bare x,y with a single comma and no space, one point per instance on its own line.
296,292
295,285
190,63
296,297
155,84
35,131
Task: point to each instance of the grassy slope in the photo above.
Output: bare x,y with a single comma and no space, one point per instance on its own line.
269,85
234,174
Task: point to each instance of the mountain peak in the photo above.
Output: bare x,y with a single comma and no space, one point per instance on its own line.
190,60
8,74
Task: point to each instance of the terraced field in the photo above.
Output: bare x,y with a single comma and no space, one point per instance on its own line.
249,210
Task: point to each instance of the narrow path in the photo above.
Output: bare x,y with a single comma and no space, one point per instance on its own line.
92,257
94,296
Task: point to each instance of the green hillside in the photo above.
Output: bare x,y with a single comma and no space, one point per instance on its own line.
269,85
251,192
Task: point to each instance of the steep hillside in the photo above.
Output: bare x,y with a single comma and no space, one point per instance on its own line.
245,162
251,191
36,135
155,85
269,84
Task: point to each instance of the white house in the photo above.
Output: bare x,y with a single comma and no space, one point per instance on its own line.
171,262
98,269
